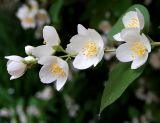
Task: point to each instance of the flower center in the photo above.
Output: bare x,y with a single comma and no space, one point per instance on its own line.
28,20
133,23
90,49
138,48
56,70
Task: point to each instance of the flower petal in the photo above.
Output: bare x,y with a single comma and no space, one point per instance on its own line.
22,12
14,77
60,82
46,60
130,34
117,37
64,65
81,30
28,49
127,19
43,50
140,18
27,25
93,35
50,36
45,75
34,5
99,57
14,58
83,62
146,42
76,44
16,69
139,61
124,53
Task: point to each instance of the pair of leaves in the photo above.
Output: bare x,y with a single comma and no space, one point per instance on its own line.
122,75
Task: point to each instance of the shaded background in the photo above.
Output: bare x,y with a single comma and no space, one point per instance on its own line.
27,100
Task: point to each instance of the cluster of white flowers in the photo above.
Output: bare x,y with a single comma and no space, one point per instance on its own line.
87,48
136,46
22,113
31,15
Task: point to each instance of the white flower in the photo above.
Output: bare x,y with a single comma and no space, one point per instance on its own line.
31,16
21,114
54,69
33,110
135,49
42,17
132,19
4,112
88,46
51,39
33,4
71,106
29,49
46,94
15,66
27,17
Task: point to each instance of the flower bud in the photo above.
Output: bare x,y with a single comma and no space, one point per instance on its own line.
29,60
29,49
15,66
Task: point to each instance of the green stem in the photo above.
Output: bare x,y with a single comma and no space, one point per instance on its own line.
155,44
68,59
68,55
64,51
64,56
59,48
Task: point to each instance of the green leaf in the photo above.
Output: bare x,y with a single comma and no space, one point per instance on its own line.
119,25
55,11
119,79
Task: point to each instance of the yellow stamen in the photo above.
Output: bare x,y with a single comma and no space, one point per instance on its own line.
90,49
28,20
56,70
133,23
138,48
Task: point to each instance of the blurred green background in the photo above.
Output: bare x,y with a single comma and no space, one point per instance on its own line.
27,100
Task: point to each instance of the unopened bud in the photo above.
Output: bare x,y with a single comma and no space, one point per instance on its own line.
29,59
29,49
